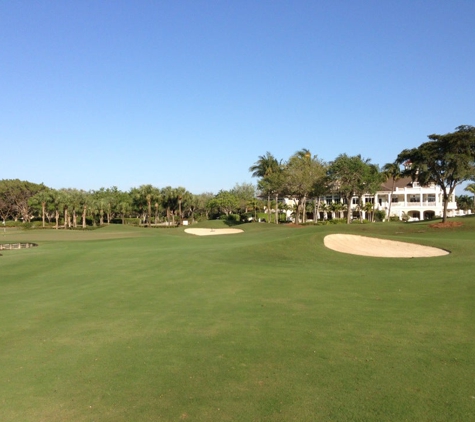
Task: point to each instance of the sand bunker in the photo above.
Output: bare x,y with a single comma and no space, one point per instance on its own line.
212,232
370,246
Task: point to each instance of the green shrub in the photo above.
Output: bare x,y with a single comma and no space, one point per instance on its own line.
132,221
337,221
246,216
379,215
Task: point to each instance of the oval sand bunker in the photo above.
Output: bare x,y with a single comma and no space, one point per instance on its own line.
212,232
370,246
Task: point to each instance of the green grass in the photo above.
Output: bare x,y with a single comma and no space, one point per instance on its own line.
133,324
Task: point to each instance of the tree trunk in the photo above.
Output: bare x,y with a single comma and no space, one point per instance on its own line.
179,212
276,208
391,199
149,216
348,208
360,205
446,204
268,208
297,212
84,210
43,212
57,219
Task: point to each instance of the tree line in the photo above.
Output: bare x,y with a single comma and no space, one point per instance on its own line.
445,160
72,208
306,179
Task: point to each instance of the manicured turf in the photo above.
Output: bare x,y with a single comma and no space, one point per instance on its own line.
129,324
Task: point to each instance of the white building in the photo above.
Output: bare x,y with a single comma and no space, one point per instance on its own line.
408,200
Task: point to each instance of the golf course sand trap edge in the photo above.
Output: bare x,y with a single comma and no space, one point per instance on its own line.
212,232
370,246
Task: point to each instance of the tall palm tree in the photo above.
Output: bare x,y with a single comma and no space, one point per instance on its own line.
76,202
181,196
57,202
264,167
85,202
392,171
149,193
43,198
168,199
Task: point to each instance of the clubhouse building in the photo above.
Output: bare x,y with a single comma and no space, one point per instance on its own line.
402,199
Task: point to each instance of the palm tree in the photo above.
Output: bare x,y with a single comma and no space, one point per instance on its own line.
181,195
124,208
168,199
264,167
392,171
149,193
471,188
369,208
464,202
57,202
43,198
324,207
76,201
336,208
84,201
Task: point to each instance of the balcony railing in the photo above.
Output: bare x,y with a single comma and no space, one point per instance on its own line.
417,204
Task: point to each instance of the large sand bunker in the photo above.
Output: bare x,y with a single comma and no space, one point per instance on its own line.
212,232
370,246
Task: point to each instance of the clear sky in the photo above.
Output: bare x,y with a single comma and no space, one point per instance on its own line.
189,93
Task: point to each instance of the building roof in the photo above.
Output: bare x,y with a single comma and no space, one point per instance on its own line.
403,182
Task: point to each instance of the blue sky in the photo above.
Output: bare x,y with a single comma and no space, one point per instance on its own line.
189,93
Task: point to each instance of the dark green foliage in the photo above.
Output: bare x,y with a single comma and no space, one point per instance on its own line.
353,176
380,215
446,160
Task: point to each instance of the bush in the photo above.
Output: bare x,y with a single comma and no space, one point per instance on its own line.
337,221
379,215
246,217
132,221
